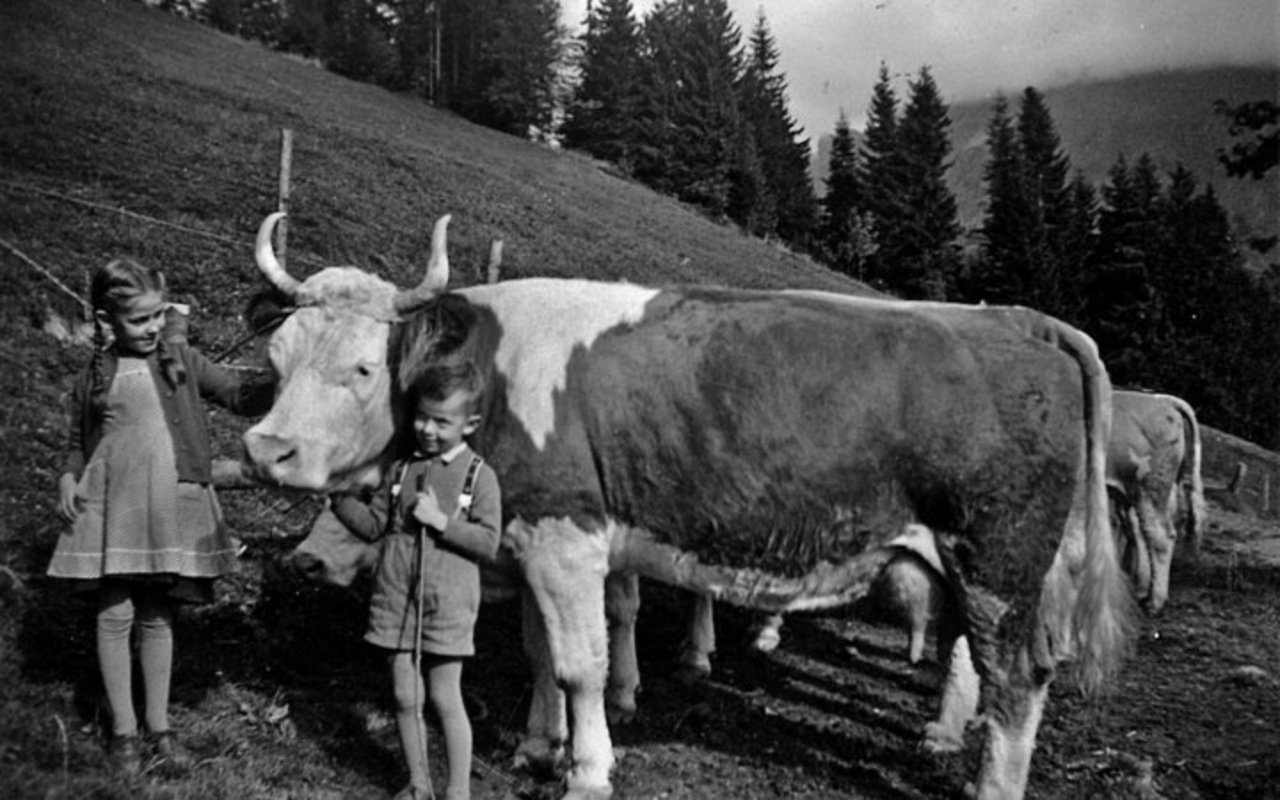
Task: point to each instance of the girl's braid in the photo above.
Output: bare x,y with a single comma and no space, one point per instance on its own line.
97,373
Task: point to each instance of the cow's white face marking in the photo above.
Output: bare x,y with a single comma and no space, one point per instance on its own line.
542,324
332,414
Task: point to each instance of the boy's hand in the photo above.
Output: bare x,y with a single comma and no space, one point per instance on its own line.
427,511
70,501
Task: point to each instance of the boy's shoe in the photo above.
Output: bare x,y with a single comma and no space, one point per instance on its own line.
124,754
169,751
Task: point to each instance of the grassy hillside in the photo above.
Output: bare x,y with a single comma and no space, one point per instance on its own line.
125,131
111,103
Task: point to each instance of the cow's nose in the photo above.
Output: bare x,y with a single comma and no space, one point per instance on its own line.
307,565
267,450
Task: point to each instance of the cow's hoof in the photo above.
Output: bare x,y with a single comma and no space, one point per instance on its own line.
540,758
620,713
939,739
692,674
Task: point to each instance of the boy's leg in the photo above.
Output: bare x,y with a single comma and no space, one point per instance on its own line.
115,620
445,676
155,646
409,697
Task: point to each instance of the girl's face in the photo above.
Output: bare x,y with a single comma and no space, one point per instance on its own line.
441,424
137,323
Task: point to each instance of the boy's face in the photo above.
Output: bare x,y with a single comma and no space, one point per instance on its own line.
440,425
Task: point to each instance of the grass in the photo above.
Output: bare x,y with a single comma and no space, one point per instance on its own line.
126,131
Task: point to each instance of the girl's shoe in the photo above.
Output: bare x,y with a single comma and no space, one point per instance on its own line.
169,751
124,754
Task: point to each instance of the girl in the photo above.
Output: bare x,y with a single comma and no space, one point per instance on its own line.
146,531
441,512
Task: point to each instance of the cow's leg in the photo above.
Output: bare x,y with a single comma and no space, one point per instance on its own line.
1140,564
547,729
700,640
960,688
622,605
565,568
1012,721
1157,529
1015,682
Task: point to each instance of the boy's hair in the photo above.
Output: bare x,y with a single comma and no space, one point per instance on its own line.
113,285
440,381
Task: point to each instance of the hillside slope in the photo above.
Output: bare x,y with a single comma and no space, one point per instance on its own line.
114,104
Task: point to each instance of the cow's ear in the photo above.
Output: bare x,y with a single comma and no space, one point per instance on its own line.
265,307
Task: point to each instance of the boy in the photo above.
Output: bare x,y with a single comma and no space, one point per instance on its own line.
441,512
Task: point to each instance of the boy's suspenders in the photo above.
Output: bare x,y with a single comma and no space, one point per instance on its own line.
469,485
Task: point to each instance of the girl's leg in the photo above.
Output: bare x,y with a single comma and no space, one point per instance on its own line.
155,645
409,697
445,677
115,620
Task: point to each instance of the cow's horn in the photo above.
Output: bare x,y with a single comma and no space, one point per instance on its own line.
437,276
266,257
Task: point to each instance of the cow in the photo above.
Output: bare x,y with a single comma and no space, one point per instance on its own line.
1153,470
770,450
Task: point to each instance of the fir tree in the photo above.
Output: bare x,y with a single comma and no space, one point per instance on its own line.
846,236
783,156
1122,306
1002,276
881,176
1045,169
601,118
1079,241
688,114
923,252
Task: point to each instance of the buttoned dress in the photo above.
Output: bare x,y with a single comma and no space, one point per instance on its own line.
150,512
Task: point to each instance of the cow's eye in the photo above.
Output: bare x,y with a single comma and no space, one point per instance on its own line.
364,370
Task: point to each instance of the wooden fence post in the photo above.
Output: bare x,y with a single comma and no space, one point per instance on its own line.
286,165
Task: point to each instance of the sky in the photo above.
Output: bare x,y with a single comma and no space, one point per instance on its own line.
830,50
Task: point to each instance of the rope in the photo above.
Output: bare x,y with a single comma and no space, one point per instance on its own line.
67,290
218,237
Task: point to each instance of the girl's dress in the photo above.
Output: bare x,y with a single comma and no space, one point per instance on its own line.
138,520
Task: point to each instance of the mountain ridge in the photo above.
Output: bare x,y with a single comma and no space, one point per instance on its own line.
1168,114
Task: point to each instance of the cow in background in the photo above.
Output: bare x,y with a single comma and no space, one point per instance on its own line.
1153,472
770,450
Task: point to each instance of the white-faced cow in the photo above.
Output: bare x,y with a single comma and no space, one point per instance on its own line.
770,450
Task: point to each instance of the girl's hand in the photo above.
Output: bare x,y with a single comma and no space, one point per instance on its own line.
426,509
70,501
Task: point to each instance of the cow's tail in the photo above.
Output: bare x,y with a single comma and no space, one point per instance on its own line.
1104,612
1190,482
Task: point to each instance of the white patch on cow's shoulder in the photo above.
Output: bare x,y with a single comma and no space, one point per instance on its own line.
543,320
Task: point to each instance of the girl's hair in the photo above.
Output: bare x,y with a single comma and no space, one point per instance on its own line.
114,285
